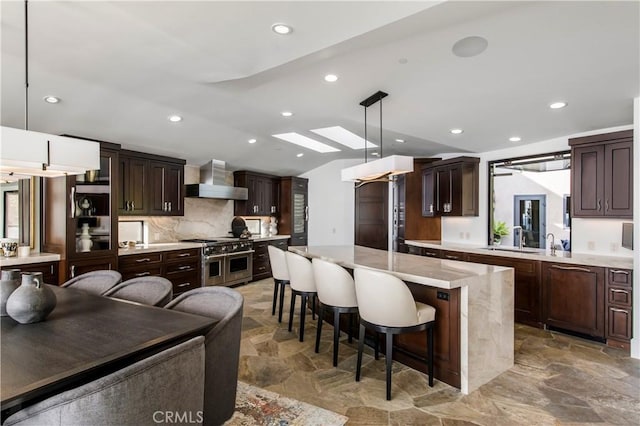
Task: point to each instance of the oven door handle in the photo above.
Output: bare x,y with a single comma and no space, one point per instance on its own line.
240,253
215,256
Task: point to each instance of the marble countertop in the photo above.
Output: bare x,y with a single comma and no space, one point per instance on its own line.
530,254
270,238
32,258
151,248
440,273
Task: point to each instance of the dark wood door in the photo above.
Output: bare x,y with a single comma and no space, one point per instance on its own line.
133,189
443,190
618,190
79,267
588,180
49,270
574,298
429,206
266,202
371,211
157,205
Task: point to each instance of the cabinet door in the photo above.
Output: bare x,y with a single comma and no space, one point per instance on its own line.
619,323
300,217
79,267
428,193
618,191
157,203
266,201
133,186
49,270
166,181
574,298
443,190
588,178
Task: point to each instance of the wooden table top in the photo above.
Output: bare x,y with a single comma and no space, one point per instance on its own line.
85,337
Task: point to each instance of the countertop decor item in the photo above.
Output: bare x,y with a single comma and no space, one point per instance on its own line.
32,301
500,230
85,238
9,281
9,248
273,226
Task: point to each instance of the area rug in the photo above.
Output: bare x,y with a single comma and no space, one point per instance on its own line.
256,406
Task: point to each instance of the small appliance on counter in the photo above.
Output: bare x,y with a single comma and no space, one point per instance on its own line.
238,227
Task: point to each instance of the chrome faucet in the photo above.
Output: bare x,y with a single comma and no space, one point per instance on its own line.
520,236
553,243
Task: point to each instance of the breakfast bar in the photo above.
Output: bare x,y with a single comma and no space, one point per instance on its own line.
474,310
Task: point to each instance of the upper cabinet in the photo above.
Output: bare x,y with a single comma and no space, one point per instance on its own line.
150,185
602,175
450,187
263,197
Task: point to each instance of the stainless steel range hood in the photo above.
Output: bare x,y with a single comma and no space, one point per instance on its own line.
214,183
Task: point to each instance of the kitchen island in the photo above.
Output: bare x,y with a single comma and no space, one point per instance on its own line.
474,311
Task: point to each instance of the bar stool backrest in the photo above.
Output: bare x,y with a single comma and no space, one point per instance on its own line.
300,273
335,285
384,299
278,263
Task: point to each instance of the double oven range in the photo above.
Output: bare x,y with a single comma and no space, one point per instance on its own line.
226,262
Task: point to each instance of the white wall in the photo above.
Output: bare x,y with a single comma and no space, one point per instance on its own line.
635,342
331,205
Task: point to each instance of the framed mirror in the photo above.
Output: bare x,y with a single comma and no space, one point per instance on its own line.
17,207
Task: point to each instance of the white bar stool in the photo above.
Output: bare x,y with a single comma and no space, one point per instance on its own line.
302,284
387,306
336,292
280,277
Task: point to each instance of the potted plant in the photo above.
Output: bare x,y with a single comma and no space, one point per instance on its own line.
499,230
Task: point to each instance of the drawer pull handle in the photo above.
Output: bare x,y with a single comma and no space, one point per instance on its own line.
618,271
182,268
451,257
262,268
184,284
619,310
615,290
184,254
430,254
143,274
571,268
146,259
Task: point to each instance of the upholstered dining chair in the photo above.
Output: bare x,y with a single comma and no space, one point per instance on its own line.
280,274
302,283
95,282
170,381
337,293
387,306
154,291
222,346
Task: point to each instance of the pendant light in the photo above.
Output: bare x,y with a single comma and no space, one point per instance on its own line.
28,153
384,168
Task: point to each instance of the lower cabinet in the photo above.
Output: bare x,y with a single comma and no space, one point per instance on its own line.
619,307
181,267
574,298
49,270
79,267
261,265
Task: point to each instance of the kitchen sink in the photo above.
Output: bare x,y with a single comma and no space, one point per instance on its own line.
514,250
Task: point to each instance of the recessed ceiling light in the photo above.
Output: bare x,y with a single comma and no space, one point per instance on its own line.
515,139
281,29
330,78
343,137
286,113
558,105
252,141
51,99
304,141
400,140
470,46
175,118
375,154
299,155
456,131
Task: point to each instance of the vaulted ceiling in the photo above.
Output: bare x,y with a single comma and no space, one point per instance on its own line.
121,68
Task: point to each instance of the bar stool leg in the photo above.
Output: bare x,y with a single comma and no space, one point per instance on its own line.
319,331
351,328
302,309
276,284
336,336
430,353
389,359
282,287
360,348
313,307
375,346
293,306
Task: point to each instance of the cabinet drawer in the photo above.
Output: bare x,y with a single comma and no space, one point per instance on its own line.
619,323
452,255
620,296
429,252
299,241
182,255
184,281
619,277
262,256
281,244
184,266
140,259
261,246
261,269
49,270
142,271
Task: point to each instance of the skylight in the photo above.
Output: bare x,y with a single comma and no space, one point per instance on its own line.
305,142
343,136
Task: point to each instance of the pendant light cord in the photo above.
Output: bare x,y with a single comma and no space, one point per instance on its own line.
26,66
380,129
365,134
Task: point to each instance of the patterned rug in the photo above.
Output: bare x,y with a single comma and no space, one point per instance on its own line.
255,406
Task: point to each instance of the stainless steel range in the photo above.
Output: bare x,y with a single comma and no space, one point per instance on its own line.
226,262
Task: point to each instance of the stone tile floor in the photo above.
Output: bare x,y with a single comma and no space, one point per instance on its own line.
556,380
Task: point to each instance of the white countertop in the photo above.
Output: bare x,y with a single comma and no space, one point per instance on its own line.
531,254
151,248
440,273
32,258
270,238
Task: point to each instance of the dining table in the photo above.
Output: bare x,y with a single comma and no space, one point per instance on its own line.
85,337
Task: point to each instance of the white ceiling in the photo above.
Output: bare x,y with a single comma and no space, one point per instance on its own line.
121,68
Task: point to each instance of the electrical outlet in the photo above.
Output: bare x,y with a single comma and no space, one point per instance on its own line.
467,235
591,245
614,247
462,235
156,236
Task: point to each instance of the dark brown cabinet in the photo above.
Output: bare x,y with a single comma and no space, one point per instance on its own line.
79,217
150,185
574,298
263,194
619,307
261,264
450,187
49,270
294,209
602,175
